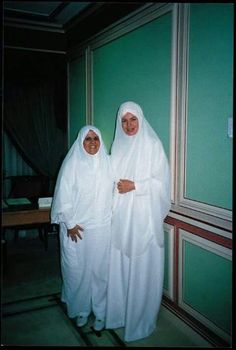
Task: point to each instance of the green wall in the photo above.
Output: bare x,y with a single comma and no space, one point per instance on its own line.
137,67
207,284
77,97
210,104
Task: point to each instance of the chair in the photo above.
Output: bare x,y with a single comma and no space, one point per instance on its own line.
31,187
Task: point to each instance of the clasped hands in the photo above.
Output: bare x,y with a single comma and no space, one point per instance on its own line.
74,232
124,186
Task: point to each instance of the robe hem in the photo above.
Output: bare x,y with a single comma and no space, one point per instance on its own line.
130,339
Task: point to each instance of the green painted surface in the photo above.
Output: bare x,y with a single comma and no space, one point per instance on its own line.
207,284
77,97
137,67
210,104
166,263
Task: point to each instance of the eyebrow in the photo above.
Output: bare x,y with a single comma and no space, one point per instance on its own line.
89,138
133,117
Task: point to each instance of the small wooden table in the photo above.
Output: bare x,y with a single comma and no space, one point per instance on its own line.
28,217
25,217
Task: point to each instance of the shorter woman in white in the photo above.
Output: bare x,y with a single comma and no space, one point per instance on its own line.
82,207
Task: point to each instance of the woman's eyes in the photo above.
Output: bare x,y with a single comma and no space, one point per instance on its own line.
134,119
89,139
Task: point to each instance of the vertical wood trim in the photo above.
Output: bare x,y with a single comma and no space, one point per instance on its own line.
173,102
89,85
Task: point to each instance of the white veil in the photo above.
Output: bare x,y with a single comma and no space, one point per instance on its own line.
140,158
79,183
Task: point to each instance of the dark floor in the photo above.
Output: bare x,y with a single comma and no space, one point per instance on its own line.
33,315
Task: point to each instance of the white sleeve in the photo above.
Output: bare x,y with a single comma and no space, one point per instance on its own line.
67,218
62,206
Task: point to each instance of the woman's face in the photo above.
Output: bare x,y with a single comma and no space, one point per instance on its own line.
91,142
130,124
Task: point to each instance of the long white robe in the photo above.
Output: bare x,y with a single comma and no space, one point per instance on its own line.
83,196
135,291
137,243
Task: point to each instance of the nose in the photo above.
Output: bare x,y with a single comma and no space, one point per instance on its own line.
129,124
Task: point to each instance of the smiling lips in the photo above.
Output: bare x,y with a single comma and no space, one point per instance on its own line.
131,131
92,148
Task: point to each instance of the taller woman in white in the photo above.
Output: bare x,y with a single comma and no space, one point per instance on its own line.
141,203
82,206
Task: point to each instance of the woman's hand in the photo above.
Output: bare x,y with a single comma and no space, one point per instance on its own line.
124,186
73,233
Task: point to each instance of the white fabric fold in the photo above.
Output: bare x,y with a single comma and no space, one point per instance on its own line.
140,158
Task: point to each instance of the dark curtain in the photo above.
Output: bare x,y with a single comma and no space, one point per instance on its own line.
29,117
35,116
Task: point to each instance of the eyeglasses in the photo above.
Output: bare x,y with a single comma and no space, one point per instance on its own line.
90,139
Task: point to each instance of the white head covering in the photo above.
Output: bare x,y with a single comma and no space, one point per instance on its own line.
83,186
140,158
125,147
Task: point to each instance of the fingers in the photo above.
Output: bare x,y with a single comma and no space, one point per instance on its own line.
125,185
78,227
79,235
119,186
74,233
74,238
